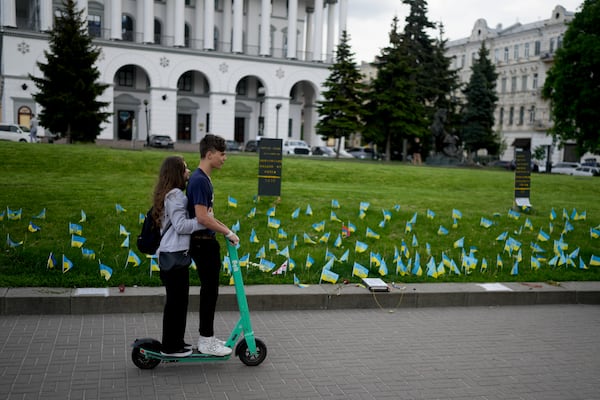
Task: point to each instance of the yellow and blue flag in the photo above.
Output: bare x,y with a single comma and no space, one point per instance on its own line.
413,220
75,229
364,205
486,223
417,270
543,236
430,214
236,227
261,253
319,226
231,202
325,237
335,204
281,234
528,224
360,247
285,252
387,215
594,233
51,263
154,267
408,227
345,256
77,241
308,239
273,244
66,264
513,214
105,271
193,265
582,264
328,276
253,237
141,218
594,261
456,214
14,215
271,212
309,261
273,223
459,243
359,270
244,260
33,227
83,216
552,215
362,214
266,265
251,213
123,231
375,258
329,263
334,217
502,236
41,215
400,267
351,227
372,234
499,263
119,208
297,283
338,241
308,210
329,255
442,231
125,243
296,213
88,253
132,258
515,268
383,269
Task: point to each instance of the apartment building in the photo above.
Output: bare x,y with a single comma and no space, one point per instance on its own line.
522,54
237,68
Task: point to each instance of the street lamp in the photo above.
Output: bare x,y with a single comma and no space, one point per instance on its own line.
147,128
277,107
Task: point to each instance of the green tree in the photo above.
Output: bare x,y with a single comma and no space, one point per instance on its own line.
341,110
478,112
68,90
573,82
394,110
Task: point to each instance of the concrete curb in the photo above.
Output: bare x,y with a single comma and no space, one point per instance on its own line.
16,301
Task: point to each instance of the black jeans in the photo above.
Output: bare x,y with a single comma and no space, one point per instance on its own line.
207,256
177,285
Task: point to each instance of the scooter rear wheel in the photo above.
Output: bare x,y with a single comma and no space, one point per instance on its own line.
251,360
141,361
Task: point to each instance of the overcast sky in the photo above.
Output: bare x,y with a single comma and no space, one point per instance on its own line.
369,21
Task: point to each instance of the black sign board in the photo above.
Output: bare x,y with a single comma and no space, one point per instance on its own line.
522,176
269,167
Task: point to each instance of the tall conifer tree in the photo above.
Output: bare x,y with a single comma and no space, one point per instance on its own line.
68,90
341,110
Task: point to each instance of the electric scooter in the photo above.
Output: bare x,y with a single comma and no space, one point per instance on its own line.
251,351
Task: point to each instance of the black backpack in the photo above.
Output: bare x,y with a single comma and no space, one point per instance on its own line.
149,238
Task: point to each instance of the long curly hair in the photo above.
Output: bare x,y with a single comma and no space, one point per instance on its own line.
171,176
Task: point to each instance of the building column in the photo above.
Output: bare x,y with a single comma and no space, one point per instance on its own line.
115,20
225,36
179,23
222,114
330,29
292,38
209,24
308,47
46,17
318,31
148,21
343,17
9,13
238,26
198,24
265,28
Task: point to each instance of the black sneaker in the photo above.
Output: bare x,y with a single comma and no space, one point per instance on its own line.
178,353
188,346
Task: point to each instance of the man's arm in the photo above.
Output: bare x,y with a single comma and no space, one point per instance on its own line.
210,222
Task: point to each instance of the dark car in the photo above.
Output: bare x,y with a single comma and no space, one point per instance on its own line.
323,151
161,141
251,145
232,145
364,153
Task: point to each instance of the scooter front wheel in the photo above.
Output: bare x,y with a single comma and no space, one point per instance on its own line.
141,361
246,357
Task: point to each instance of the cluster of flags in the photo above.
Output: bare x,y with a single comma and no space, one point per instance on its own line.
345,245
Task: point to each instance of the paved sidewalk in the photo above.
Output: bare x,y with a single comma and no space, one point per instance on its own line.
527,352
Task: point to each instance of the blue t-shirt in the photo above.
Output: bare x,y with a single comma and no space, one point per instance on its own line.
199,192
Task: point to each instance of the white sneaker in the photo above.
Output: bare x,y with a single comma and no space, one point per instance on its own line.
212,346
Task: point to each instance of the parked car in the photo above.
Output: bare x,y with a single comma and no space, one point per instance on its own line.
565,168
504,164
364,153
586,171
232,145
161,141
251,145
292,146
15,133
323,151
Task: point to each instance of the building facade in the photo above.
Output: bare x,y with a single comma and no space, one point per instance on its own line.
237,68
522,54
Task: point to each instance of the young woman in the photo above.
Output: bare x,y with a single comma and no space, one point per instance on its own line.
170,212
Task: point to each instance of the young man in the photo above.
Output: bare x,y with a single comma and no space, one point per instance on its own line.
204,247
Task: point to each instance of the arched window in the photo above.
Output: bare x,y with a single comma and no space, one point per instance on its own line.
24,115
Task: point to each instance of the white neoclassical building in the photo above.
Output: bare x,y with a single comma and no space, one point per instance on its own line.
522,54
238,68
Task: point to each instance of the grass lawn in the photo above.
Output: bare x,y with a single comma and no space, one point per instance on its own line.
66,180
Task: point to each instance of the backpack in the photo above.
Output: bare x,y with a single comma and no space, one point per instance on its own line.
149,238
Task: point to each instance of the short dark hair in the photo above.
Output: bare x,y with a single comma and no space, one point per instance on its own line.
211,143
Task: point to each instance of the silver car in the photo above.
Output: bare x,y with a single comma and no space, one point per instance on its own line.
15,133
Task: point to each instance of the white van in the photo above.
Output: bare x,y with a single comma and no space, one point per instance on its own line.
14,133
